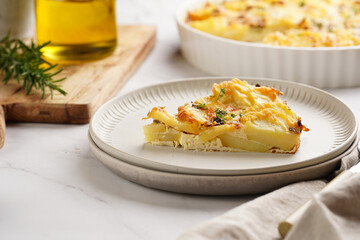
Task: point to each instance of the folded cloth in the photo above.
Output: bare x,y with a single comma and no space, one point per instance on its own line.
347,162
259,219
333,214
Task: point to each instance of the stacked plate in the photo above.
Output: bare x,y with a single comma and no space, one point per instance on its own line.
116,138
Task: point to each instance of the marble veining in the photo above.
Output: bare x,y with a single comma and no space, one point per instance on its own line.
8,166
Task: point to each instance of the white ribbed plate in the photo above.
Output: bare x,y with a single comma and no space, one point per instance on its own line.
116,128
216,185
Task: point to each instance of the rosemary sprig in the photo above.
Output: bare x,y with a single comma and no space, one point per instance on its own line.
25,63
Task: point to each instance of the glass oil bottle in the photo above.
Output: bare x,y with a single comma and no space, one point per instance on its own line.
79,30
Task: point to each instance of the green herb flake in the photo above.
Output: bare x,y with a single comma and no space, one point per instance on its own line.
220,113
240,115
201,106
316,23
222,92
302,3
233,115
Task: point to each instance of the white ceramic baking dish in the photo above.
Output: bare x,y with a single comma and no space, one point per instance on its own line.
321,67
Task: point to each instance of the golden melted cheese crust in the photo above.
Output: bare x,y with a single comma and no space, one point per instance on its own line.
236,116
297,23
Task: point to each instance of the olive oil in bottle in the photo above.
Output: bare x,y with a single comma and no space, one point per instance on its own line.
79,30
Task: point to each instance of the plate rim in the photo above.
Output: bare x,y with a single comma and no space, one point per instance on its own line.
352,146
129,158
225,184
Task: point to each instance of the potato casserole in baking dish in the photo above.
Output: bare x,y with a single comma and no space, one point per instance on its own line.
297,23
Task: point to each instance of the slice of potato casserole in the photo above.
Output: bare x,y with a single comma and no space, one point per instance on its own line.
236,117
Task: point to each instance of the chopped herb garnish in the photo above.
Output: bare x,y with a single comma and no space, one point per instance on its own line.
200,106
232,115
302,3
220,116
318,24
240,115
220,113
221,94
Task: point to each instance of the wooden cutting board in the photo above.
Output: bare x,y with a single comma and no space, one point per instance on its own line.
88,85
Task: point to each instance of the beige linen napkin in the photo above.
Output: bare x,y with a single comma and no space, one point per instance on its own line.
259,219
332,214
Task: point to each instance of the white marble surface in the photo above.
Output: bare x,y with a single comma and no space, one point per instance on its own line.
52,187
